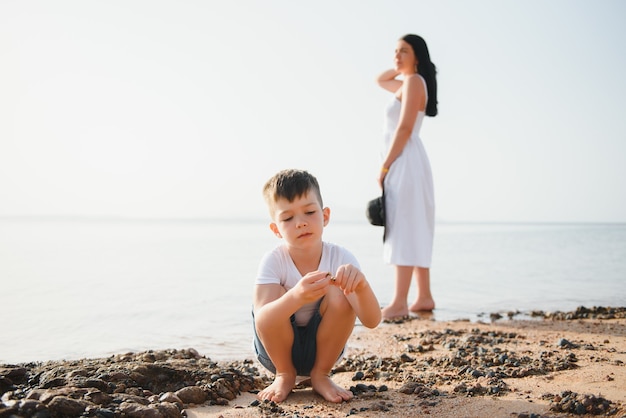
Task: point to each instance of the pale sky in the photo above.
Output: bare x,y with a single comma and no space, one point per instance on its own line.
182,109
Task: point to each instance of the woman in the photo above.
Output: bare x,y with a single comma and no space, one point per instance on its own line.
406,176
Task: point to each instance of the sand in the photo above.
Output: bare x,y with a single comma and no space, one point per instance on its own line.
503,368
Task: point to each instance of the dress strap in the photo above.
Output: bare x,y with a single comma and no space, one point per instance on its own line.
425,87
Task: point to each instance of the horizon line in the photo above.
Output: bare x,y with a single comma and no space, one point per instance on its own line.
223,218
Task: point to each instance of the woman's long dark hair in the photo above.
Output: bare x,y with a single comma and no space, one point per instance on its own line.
426,69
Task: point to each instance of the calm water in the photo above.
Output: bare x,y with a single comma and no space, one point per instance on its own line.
92,288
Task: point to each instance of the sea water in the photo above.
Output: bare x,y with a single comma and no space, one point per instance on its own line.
75,288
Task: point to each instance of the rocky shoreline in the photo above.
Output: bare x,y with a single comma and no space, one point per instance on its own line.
432,366
147,384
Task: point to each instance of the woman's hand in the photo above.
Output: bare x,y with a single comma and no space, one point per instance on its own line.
382,175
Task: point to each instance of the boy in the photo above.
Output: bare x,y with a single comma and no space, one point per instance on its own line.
307,294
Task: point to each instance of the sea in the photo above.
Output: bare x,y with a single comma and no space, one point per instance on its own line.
74,288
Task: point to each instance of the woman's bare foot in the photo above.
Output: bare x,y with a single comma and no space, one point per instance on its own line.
393,312
279,389
324,386
423,305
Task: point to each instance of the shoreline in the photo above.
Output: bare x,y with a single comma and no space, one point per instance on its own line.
556,364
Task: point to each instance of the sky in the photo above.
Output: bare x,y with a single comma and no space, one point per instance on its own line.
183,109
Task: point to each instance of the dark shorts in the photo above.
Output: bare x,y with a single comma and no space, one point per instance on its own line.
304,346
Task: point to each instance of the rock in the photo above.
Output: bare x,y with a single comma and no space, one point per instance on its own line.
35,394
97,397
16,374
96,383
53,382
48,395
224,390
192,394
563,343
6,384
405,358
358,376
62,406
133,410
171,398
152,375
169,410
29,407
104,413
128,398
9,409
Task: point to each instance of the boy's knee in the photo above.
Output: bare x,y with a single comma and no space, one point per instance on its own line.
339,305
266,325
260,322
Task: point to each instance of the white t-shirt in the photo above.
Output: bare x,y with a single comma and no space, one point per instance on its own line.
277,267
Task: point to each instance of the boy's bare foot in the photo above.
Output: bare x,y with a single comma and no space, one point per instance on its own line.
423,305
279,389
394,312
324,386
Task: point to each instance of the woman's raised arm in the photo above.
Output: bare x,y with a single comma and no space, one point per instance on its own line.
387,80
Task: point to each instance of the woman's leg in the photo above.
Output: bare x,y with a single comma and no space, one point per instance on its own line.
424,300
399,304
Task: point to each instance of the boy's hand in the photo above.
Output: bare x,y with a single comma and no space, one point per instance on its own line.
313,286
349,279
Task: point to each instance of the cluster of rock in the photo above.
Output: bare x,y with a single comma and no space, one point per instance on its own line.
153,384
573,403
475,364
597,312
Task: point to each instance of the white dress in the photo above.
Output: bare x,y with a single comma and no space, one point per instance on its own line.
409,198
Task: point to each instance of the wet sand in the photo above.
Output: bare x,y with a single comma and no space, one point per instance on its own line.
557,365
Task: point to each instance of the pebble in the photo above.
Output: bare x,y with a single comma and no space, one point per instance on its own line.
563,343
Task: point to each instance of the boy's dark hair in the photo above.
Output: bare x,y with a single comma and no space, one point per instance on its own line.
290,184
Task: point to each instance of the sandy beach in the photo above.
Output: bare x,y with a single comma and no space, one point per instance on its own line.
545,367
550,365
